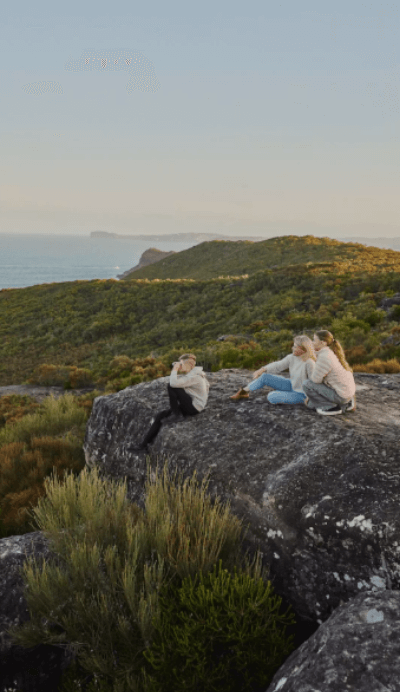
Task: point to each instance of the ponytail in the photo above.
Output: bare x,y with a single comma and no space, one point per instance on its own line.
335,346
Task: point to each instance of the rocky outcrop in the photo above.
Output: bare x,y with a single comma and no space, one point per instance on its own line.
150,256
36,669
320,495
356,649
389,302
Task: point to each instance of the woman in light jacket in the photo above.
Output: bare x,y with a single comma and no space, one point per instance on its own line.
188,393
331,387
300,364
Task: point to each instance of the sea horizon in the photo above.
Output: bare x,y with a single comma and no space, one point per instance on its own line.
43,258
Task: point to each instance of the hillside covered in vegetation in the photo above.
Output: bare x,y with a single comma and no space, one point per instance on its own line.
115,333
222,258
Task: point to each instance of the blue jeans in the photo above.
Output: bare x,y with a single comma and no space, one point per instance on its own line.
284,393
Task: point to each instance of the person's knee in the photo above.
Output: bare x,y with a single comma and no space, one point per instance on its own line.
162,414
274,398
308,386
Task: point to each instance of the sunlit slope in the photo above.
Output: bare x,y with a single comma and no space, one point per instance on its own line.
225,258
88,323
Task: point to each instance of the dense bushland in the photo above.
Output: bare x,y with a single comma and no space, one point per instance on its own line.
119,592
90,327
226,258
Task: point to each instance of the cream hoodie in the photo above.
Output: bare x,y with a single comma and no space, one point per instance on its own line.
330,371
194,383
299,370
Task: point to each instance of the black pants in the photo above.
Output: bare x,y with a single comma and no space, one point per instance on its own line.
180,402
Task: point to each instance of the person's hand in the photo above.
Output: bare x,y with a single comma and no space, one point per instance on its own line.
177,366
258,373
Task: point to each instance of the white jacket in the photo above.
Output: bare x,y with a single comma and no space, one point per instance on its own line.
329,369
299,370
194,383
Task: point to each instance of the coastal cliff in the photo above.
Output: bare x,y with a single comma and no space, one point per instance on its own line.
149,256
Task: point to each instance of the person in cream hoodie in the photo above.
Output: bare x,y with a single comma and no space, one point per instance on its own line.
331,387
188,394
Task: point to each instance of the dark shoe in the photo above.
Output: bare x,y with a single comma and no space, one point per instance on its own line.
335,411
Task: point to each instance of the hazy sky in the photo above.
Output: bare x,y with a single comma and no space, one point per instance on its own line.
135,117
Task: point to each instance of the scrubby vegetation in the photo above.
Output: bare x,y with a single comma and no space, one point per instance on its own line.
125,578
35,441
225,258
116,333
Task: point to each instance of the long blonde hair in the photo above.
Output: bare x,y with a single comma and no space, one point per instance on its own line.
335,346
306,345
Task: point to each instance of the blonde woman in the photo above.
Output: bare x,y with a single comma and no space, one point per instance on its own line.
331,387
300,364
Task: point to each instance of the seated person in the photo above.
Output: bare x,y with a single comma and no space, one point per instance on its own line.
188,393
300,364
331,388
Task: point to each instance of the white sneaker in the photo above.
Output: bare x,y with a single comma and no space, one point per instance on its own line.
335,411
351,406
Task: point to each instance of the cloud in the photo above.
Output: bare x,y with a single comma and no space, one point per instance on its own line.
141,71
37,88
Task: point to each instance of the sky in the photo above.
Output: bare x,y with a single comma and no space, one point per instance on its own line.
159,117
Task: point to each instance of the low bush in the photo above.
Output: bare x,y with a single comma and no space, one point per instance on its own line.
356,355
379,366
37,440
102,599
54,417
230,628
67,376
23,469
13,407
47,375
125,372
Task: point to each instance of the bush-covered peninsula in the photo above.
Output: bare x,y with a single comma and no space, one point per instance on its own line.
116,333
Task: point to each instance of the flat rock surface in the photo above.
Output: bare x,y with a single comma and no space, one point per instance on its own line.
356,650
320,495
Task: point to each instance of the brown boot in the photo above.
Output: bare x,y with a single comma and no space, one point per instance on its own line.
241,394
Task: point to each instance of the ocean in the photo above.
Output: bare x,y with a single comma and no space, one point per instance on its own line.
27,260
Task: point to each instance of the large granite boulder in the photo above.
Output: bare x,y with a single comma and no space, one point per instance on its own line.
39,668
321,494
356,650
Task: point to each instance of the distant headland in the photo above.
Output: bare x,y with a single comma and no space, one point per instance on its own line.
175,237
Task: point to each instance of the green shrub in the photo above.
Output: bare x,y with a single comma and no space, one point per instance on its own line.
55,417
23,469
102,602
218,632
67,376
101,598
47,375
395,314
379,366
13,407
